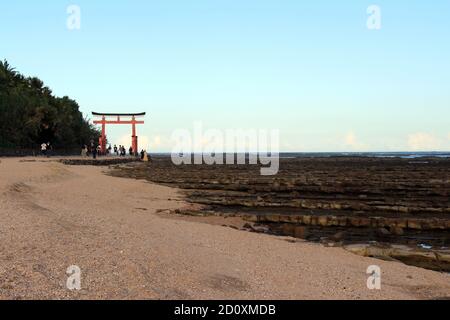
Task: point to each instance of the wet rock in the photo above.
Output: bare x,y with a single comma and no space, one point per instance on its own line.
300,232
289,219
342,221
272,218
438,260
288,229
382,222
398,231
306,220
414,224
365,222
331,244
339,236
336,206
333,221
248,226
250,218
359,222
383,232
314,220
400,223
98,161
322,221
403,209
260,229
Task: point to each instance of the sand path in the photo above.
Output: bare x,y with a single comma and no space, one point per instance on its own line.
53,216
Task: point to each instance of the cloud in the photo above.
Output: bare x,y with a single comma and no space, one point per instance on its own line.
422,141
155,142
350,140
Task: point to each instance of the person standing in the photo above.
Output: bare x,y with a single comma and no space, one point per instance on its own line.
49,149
93,149
146,157
44,149
84,151
94,152
116,152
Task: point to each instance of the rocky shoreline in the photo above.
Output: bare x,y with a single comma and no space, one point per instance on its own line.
335,201
101,161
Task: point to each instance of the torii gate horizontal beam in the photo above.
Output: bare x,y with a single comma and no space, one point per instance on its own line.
141,114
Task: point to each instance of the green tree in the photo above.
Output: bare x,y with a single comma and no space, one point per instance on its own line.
30,114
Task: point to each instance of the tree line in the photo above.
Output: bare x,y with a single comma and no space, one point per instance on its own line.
31,115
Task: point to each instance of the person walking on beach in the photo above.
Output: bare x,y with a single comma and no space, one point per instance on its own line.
116,152
49,148
146,157
84,151
93,149
94,152
44,149
130,151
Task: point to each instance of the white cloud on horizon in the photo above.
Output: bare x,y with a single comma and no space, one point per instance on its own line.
423,141
350,140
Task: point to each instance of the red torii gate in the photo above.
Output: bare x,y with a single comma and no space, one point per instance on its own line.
118,120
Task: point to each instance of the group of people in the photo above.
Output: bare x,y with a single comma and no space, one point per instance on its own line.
121,151
94,150
91,150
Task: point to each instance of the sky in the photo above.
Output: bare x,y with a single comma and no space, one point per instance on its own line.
311,69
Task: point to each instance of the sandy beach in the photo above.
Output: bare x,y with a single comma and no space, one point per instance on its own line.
53,216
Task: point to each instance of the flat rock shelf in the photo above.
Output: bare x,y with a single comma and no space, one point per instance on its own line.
333,200
98,162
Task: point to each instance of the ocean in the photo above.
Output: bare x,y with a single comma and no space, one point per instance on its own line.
403,155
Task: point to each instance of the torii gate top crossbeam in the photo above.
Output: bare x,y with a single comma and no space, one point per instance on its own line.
141,114
118,120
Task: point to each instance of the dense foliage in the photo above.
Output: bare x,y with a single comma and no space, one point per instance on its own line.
31,115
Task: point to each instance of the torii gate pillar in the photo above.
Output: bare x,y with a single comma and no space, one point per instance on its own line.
134,138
